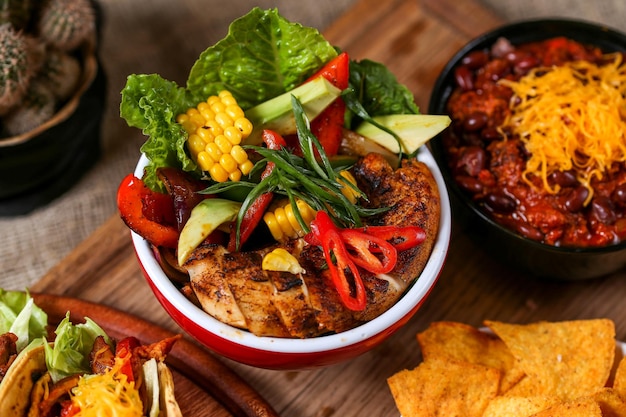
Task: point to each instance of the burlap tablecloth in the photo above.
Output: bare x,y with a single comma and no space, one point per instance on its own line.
33,243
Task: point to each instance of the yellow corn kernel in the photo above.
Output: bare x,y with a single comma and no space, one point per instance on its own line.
239,154
223,144
189,126
215,129
235,175
214,151
205,134
218,173
246,167
281,260
224,120
205,162
244,125
347,190
272,224
233,135
207,113
196,144
228,163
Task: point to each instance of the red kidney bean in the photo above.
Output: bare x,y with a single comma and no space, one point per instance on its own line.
469,184
472,160
497,69
475,121
490,134
525,63
575,199
500,203
619,194
475,59
529,232
563,178
464,78
602,210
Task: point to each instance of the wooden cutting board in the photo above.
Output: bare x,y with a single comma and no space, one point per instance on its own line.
414,39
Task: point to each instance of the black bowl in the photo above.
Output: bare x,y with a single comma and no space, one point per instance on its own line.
541,260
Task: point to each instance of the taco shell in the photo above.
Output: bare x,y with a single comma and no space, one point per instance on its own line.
18,383
167,399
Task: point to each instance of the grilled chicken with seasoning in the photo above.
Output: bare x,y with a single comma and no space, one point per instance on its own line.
234,288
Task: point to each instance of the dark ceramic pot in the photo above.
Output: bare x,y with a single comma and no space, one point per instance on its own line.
538,259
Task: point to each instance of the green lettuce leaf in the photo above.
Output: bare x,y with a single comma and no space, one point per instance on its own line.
21,316
263,56
69,354
152,103
379,91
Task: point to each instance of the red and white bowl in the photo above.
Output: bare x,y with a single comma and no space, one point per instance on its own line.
280,353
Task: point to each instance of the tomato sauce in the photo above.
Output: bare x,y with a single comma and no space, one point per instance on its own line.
488,161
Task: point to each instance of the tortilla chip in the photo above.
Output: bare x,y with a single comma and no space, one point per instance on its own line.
569,359
518,406
582,407
167,397
611,402
466,343
439,387
619,381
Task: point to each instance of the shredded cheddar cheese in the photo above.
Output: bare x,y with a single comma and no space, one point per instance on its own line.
108,394
571,117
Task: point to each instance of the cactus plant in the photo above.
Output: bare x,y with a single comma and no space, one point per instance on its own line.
14,69
41,43
66,24
61,73
37,107
16,12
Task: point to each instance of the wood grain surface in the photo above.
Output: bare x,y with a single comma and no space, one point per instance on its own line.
414,39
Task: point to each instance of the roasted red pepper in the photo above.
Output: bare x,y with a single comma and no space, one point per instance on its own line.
373,248
328,125
255,212
124,350
146,212
343,271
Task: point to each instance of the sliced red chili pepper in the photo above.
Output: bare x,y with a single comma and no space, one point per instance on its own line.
351,291
255,212
328,125
124,350
401,237
370,252
143,210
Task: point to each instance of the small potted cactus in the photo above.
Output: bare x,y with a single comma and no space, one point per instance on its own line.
48,67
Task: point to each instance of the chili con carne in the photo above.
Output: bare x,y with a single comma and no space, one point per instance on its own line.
487,160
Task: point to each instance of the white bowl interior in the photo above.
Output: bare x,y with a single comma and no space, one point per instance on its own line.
414,295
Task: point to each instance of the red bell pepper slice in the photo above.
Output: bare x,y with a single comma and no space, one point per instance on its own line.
124,350
146,212
340,264
328,125
255,212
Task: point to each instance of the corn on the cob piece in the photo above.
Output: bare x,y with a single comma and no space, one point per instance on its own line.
282,222
216,128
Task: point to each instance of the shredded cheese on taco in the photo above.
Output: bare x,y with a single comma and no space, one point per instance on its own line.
110,391
571,117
